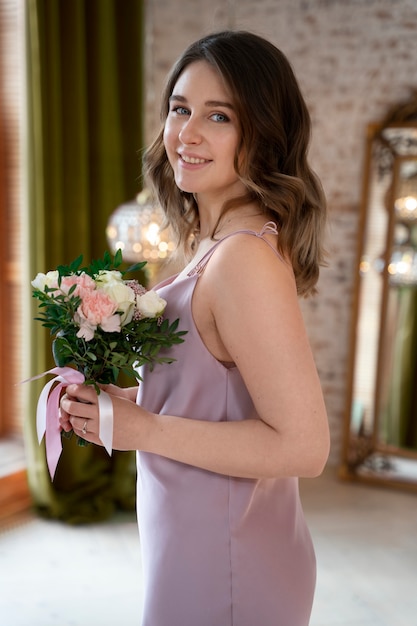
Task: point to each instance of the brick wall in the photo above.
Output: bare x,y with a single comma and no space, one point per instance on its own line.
354,59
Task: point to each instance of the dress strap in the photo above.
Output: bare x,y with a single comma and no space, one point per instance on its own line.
269,227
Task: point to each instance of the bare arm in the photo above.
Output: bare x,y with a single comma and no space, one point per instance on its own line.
255,311
256,315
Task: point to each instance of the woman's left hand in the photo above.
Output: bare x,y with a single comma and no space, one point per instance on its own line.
80,412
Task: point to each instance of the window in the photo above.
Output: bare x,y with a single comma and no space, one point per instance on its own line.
13,489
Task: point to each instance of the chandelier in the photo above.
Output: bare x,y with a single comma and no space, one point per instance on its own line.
135,228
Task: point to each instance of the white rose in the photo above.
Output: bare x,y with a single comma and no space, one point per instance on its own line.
112,284
50,280
109,276
150,304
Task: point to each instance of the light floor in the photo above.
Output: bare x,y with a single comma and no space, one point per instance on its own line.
366,543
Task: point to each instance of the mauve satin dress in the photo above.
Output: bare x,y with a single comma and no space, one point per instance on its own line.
216,550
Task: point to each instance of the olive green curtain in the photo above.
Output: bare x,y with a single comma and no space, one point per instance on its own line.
84,95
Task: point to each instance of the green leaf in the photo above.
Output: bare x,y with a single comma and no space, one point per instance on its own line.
118,258
61,352
136,267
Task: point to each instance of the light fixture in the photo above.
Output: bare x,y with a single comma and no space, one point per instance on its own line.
402,269
135,228
406,208
405,205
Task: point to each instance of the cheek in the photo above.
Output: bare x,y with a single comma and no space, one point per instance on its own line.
228,146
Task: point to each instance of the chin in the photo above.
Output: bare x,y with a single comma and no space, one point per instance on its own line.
185,188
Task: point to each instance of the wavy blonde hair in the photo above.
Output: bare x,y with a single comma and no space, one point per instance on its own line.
275,130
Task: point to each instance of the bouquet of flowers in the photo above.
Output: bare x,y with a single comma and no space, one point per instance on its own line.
102,325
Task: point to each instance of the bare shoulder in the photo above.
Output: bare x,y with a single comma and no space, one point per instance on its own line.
246,263
244,281
246,287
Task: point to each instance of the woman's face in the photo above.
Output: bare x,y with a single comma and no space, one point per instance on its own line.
202,133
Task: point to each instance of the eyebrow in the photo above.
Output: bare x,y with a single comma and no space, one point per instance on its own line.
209,103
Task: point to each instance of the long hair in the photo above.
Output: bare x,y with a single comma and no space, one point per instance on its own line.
274,135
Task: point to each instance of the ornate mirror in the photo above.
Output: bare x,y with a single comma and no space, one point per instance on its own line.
380,435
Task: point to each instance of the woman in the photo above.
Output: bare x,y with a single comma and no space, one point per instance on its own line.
223,433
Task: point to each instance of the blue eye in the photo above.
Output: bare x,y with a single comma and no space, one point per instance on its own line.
180,110
220,117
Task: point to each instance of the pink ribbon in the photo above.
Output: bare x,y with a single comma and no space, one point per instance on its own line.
47,414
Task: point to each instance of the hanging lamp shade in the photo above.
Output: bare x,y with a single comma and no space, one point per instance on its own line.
135,227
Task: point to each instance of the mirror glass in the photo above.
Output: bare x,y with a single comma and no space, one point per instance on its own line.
381,417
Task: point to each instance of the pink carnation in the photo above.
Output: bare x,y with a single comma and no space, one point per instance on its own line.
96,309
84,283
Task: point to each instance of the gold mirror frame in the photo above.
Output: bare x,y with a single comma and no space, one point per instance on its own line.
380,426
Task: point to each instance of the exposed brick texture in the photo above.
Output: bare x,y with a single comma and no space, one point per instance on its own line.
354,59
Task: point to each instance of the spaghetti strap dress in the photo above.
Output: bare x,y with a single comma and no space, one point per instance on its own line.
216,550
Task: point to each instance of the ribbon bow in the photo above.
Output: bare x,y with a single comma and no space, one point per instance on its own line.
47,414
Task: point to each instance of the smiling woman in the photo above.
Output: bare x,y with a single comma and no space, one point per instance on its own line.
223,433
201,137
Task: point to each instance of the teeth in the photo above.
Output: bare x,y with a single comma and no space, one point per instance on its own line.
192,160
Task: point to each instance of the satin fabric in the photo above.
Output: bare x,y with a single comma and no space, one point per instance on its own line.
216,550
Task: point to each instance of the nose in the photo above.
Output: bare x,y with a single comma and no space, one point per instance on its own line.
190,133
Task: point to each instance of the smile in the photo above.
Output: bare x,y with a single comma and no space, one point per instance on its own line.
193,160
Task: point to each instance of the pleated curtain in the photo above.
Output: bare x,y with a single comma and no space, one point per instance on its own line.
83,146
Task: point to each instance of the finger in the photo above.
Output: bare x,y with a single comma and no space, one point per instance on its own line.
83,393
109,387
113,390
82,426
64,421
65,425
73,408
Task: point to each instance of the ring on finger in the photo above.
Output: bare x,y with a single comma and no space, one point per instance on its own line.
84,428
